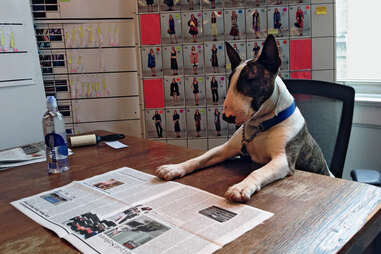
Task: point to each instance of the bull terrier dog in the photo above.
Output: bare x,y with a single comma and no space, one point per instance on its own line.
273,132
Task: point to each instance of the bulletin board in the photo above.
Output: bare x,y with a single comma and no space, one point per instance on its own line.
182,52
89,62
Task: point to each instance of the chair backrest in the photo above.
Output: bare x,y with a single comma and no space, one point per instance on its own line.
328,110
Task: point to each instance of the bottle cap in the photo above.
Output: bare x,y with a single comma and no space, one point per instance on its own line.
51,103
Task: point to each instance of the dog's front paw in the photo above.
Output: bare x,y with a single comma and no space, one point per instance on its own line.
241,192
170,171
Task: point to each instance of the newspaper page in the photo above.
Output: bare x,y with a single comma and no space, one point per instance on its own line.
128,211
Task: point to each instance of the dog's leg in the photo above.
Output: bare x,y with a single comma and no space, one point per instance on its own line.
211,157
277,168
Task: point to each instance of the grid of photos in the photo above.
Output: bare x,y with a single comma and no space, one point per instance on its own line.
190,65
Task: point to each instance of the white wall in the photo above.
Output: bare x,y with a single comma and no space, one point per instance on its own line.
365,141
21,107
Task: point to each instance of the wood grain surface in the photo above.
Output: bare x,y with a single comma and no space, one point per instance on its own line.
312,213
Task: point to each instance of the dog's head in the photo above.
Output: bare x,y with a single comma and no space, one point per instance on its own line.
251,82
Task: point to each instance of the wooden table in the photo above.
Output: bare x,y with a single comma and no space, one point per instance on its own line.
313,213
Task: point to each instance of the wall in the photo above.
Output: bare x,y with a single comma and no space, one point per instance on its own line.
317,40
21,105
365,142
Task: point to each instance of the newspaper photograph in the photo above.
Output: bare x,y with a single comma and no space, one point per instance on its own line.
127,211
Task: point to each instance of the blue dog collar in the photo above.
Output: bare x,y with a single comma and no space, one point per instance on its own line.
283,115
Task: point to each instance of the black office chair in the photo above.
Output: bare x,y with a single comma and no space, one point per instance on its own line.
328,110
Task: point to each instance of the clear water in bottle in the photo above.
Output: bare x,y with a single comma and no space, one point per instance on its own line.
55,138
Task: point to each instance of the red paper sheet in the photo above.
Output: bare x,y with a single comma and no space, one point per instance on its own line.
150,29
153,93
301,75
300,54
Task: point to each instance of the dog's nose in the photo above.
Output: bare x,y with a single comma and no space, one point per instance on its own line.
230,119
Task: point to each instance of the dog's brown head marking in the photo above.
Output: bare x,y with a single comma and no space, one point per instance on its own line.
251,82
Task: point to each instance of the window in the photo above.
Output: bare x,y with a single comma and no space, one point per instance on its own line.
358,44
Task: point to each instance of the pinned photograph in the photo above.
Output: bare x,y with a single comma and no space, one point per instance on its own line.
255,3
193,59
212,4
169,5
300,20
196,122
174,91
190,5
214,57
195,90
155,123
256,23
170,28
216,126
213,25
192,26
254,49
176,123
284,53
172,60
151,60
148,6
235,24
277,20
215,89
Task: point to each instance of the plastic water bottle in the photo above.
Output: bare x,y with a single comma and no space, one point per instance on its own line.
55,138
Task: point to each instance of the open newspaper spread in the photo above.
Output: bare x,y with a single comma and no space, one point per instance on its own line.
127,211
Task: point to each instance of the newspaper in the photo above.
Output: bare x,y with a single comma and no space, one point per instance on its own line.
128,211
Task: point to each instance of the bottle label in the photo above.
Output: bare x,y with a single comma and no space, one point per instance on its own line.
53,140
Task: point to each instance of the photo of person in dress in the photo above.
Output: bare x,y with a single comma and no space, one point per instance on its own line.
176,122
170,4
194,59
152,62
213,4
171,29
197,122
214,58
217,121
213,25
150,4
234,31
174,65
276,19
190,2
256,23
256,50
174,90
214,88
196,90
193,27
157,119
299,20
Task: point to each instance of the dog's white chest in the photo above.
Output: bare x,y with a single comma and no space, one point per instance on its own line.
274,140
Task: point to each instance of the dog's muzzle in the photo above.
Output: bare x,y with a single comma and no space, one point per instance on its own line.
230,119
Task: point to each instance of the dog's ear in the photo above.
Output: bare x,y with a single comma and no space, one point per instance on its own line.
269,57
233,55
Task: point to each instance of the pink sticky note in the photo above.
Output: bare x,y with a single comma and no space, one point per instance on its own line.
153,93
300,54
150,29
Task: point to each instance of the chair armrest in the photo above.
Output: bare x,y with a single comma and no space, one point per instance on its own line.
368,176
